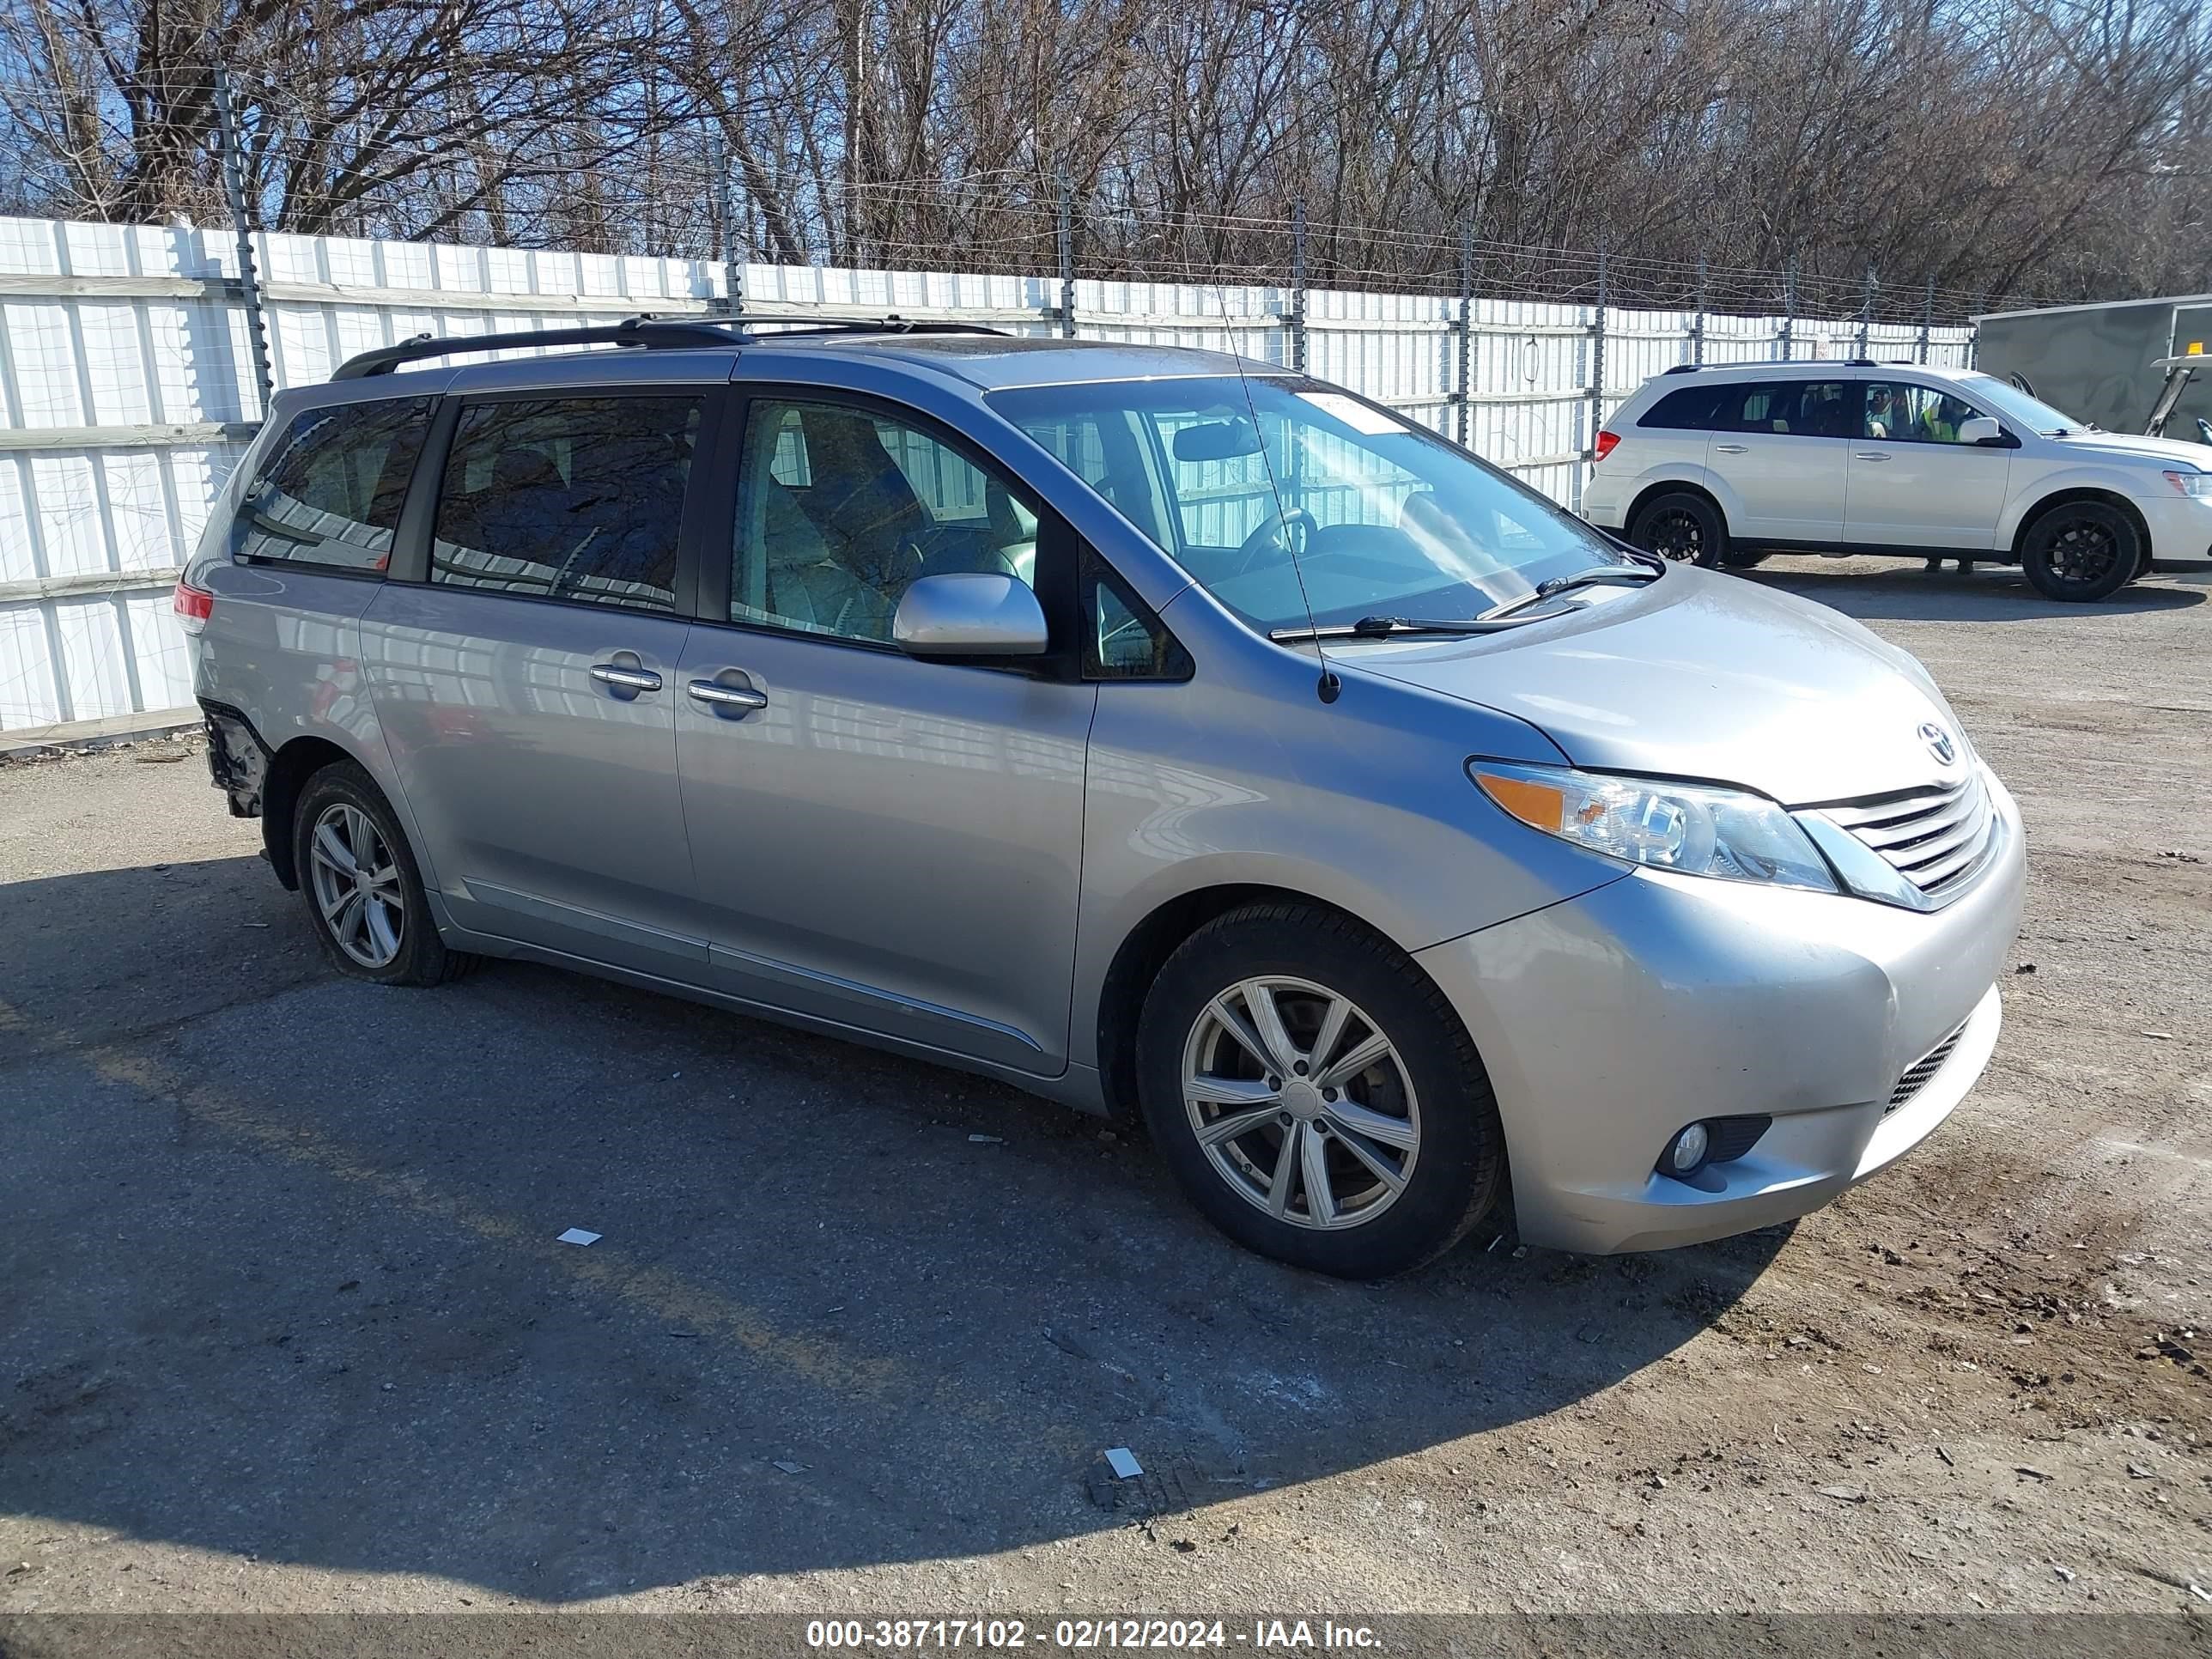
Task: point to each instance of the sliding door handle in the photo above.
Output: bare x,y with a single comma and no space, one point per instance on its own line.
625,679
1729,449
719,697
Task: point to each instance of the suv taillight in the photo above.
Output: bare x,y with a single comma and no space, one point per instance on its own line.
194,606
1606,440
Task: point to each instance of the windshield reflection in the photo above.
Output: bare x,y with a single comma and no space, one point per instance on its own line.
1279,494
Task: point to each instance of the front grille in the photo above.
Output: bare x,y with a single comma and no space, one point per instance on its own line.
1917,1075
1937,836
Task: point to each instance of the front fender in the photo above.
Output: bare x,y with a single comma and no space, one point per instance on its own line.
2103,480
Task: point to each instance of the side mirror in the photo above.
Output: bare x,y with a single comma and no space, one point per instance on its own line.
969,614
1983,430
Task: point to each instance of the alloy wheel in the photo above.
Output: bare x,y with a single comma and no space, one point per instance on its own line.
1301,1102
1675,535
357,884
2083,552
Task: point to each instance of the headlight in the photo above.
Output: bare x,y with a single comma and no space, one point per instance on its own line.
2191,483
1684,827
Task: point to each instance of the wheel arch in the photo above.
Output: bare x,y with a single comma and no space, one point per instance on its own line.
299,760
1144,950
2044,505
1651,492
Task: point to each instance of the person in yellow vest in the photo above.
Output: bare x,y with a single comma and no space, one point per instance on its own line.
1939,424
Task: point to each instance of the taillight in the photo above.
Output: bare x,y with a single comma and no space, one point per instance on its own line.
1606,440
193,605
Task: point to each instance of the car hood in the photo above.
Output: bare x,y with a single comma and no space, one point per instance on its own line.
1707,677
2126,447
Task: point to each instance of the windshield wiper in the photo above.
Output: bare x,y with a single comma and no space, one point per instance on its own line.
1383,628
1596,575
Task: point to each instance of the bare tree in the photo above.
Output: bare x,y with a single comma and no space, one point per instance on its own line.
2050,147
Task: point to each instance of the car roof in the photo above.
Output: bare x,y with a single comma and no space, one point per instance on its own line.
994,362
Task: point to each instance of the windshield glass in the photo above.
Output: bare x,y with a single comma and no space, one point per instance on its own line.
2014,404
1386,519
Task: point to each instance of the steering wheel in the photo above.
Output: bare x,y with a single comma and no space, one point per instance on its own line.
1273,535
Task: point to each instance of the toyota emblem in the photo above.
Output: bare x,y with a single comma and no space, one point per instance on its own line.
1939,743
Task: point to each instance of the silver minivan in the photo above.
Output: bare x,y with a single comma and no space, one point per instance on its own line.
1158,732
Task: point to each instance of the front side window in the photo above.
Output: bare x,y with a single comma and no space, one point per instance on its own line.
1906,414
331,489
1252,486
840,508
1123,638
568,498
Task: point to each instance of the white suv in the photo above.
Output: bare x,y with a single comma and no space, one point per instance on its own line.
1722,466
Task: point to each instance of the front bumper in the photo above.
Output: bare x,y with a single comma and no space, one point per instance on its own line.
2180,527
1610,1021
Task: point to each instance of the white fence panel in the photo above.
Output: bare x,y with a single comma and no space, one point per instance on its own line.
127,392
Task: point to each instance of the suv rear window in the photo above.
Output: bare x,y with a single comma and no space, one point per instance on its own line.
330,491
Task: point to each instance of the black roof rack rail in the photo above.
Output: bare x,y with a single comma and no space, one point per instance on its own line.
645,331
1793,362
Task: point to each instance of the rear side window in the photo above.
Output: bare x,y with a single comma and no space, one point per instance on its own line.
1689,409
1804,409
330,491
568,498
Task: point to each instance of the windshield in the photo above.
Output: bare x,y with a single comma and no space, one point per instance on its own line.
2014,404
1385,518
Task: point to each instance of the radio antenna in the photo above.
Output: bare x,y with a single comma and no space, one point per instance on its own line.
1328,687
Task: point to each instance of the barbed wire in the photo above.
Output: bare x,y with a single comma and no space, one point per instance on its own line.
662,191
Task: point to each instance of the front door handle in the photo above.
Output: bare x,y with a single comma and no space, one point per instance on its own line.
625,679
719,697
1729,449
1869,455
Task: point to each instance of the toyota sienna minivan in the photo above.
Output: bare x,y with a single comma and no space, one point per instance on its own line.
1154,729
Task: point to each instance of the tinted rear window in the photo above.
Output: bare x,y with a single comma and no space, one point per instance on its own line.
1804,409
330,492
568,498
1689,409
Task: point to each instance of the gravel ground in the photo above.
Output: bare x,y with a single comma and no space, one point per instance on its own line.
284,1326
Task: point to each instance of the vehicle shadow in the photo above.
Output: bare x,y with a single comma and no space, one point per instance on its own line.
282,1279
1899,591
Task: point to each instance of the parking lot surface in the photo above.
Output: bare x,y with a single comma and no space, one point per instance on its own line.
286,1325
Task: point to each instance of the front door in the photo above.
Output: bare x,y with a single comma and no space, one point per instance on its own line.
880,842
527,687
1781,448
1912,483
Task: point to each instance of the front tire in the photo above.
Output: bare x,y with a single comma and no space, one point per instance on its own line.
2079,552
1681,526
1315,1096
364,893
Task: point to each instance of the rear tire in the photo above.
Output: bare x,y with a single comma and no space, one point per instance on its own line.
2081,551
1683,526
1352,1076
363,891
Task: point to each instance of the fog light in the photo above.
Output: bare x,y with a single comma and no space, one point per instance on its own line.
1686,1151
